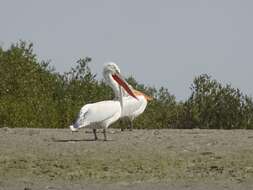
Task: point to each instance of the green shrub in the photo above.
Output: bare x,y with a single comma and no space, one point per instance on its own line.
215,106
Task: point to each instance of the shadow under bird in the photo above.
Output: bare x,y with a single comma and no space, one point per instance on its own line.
101,115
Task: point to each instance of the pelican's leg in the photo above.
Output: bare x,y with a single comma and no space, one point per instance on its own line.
95,134
121,125
105,138
131,125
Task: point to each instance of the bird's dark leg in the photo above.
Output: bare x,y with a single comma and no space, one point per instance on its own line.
95,134
105,138
130,124
121,123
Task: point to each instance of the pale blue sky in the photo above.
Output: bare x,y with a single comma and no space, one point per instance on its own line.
159,42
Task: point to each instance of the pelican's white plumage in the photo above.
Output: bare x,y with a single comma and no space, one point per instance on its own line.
103,114
133,108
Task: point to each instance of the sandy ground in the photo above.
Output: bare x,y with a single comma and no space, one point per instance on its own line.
142,159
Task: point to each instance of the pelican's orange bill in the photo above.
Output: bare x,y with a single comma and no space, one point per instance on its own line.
124,84
136,92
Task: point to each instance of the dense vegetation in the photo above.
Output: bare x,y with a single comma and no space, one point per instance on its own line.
32,94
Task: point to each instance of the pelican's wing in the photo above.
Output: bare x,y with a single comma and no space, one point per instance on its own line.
132,107
101,111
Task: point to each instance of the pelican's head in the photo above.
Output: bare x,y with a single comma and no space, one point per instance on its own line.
113,77
111,68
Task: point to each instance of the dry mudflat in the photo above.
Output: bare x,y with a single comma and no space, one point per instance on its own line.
56,159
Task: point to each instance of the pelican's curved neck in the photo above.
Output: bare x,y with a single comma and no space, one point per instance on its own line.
114,85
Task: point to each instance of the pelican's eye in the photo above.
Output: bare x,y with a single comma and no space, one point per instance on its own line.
117,71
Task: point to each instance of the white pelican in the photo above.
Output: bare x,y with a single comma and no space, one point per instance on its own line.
133,108
103,114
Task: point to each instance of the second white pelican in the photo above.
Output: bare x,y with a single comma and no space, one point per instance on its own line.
132,107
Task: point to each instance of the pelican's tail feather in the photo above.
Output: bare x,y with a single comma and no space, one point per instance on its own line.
81,120
72,128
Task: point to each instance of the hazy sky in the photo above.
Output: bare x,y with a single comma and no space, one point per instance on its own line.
159,42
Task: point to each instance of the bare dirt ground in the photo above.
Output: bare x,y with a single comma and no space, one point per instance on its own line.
142,159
